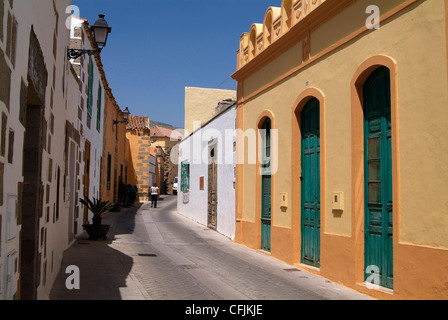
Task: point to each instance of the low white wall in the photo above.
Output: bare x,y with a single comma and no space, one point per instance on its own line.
194,203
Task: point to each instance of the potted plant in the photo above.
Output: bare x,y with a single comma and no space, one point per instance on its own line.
96,230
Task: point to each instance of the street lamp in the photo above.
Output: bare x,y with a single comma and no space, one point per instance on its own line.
100,31
126,115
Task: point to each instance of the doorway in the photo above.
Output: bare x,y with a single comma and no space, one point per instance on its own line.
266,192
378,176
86,179
72,192
310,185
32,204
212,222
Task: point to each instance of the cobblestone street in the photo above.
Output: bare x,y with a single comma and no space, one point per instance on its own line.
156,254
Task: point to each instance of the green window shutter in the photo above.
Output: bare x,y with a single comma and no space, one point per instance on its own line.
185,176
98,119
90,98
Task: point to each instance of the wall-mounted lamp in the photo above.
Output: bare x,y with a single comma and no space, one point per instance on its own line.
126,115
100,31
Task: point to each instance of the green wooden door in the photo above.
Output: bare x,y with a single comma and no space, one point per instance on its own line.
310,127
266,187
266,214
378,177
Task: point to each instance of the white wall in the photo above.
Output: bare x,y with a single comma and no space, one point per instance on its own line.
41,16
91,134
195,150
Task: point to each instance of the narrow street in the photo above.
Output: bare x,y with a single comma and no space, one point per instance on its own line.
156,254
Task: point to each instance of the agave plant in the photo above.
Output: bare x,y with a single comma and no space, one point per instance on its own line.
98,208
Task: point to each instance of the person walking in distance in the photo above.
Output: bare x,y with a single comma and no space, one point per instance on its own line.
154,191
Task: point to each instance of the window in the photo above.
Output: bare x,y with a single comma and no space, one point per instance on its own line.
11,275
98,119
11,222
266,146
185,176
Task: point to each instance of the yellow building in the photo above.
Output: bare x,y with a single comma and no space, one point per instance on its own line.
349,180
200,105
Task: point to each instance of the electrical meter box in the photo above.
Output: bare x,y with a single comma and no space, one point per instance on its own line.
338,201
284,200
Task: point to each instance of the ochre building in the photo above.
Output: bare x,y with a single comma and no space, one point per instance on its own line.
139,156
342,117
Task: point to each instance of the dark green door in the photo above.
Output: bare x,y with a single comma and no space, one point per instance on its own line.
266,214
310,127
378,178
266,186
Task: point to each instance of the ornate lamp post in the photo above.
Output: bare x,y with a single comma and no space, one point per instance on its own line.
100,31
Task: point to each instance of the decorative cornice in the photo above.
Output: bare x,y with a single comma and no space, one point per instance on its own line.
305,16
301,32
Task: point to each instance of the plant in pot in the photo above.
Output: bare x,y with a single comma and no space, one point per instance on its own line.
97,230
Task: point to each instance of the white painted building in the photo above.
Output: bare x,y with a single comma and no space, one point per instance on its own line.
33,62
47,118
207,160
90,111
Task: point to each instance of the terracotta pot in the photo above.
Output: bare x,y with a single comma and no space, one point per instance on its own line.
97,232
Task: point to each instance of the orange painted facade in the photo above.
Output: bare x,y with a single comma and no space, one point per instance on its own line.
139,155
113,172
324,50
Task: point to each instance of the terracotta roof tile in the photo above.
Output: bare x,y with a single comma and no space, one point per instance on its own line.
138,123
165,132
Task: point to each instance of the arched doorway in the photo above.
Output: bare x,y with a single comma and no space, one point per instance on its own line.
310,183
266,180
378,194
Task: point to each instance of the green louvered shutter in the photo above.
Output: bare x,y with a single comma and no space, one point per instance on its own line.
99,103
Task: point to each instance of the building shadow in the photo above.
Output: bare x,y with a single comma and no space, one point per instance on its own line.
103,270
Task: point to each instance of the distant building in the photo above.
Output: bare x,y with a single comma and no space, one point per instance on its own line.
140,159
200,104
165,141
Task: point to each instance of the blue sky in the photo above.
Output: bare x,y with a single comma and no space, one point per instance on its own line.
159,47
